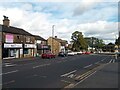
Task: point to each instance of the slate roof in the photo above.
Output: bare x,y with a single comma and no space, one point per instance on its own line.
39,38
63,42
15,30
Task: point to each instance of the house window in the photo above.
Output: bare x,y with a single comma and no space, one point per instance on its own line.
18,37
27,39
26,51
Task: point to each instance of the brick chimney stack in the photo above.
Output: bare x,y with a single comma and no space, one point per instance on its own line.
55,36
6,21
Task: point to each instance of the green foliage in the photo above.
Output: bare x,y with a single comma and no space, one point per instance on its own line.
117,42
79,43
100,43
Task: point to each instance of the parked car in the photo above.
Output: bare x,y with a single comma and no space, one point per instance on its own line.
87,53
79,53
63,54
48,55
83,52
70,53
75,53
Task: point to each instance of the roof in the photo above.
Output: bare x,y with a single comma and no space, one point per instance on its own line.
63,42
39,38
15,30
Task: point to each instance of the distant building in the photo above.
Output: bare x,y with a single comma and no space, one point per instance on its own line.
57,45
117,42
109,47
16,42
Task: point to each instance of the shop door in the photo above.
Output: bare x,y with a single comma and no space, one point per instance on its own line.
5,52
17,53
11,52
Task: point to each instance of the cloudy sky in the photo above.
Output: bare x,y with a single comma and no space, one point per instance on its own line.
97,18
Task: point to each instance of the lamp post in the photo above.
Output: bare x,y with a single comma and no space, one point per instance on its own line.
52,38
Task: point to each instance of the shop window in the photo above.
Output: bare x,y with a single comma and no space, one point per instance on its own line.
27,39
26,51
18,37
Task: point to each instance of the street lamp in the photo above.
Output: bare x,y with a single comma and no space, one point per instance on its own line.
52,37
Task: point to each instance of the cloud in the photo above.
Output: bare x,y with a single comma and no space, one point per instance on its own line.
27,6
58,0
100,10
84,6
33,22
100,29
33,18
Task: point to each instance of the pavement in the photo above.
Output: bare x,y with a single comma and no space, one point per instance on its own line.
21,59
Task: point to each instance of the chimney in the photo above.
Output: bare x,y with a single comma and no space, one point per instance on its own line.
55,36
6,21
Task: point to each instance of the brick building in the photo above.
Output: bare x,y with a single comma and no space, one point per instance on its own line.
16,42
57,45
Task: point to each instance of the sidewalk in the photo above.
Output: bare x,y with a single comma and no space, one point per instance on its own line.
21,59
107,77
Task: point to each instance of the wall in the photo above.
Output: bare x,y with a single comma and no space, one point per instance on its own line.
56,45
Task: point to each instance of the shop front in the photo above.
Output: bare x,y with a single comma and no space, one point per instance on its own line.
42,49
11,50
29,50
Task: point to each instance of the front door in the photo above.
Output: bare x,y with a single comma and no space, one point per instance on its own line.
17,53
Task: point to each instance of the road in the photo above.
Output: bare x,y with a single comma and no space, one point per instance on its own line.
61,72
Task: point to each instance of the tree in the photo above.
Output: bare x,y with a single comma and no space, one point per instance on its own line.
100,43
79,43
117,42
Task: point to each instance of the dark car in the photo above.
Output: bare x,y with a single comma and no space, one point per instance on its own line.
48,55
62,54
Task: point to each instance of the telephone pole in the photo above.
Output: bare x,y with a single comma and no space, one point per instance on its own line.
52,47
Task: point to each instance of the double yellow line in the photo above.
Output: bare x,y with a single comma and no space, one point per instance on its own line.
78,78
85,75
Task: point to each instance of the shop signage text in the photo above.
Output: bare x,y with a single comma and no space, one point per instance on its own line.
12,45
30,46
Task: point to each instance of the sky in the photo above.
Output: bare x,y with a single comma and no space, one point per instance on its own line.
94,18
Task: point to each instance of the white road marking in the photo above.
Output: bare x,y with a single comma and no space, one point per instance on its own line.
9,72
41,65
88,66
68,73
102,59
97,62
113,60
65,81
71,75
85,78
110,61
10,65
12,81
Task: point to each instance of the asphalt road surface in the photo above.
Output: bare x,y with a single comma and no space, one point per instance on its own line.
61,72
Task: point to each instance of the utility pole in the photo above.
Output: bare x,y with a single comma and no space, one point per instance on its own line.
92,44
52,48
